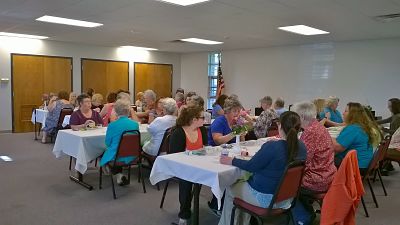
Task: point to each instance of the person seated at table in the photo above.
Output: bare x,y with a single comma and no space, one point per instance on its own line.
158,127
320,168
90,92
139,101
107,109
180,90
72,99
115,129
97,102
55,106
132,115
330,112
359,134
45,100
217,109
189,134
264,121
394,120
150,98
266,167
279,106
158,112
84,116
180,99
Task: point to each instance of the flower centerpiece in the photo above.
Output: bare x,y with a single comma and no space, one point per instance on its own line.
240,126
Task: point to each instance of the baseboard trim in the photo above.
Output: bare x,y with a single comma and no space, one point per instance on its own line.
5,131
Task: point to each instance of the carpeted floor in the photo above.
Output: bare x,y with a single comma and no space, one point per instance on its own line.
35,189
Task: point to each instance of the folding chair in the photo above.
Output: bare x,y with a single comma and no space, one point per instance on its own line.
273,129
374,168
64,112
129,146
288,188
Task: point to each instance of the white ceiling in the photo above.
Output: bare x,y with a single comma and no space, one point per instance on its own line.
238,23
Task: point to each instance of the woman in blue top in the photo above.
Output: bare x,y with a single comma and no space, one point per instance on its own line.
360,134
267,167
217,106
330,112
113,136
220,131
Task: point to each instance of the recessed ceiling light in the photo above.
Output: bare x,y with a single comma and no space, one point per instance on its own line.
184,2
6,158
201,41
303,30
22,35
66,21
139,48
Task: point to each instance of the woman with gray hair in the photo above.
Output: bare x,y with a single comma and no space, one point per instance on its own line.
320,167
264,121
220,131
158,127
149,98
122,108
332,115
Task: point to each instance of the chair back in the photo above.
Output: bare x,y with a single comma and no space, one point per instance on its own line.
273,130
64,112
289,184
379,155
164,146
129,145
258,111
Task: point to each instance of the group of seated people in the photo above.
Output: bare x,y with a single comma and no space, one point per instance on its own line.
302,136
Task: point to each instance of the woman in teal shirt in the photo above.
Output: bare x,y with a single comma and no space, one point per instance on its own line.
330,112
360,134
113,136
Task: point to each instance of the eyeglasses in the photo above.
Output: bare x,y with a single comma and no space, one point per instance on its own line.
201,117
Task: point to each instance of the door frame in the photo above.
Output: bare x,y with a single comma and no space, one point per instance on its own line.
165,64
12,77
104,60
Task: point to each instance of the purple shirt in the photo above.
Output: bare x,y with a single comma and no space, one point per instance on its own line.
77,118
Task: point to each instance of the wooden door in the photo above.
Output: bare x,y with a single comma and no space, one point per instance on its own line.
31,77
157,77
104,76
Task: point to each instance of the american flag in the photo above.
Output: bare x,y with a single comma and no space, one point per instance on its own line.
221,83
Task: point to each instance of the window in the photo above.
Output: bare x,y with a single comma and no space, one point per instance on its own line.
213,60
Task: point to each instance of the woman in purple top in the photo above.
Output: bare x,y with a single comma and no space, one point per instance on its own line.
84,115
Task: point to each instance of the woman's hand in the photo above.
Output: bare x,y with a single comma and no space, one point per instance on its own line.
86,124
225,160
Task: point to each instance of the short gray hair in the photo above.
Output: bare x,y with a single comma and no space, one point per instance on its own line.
267,100
279,102
179,96
306,110
122,107
169,105
198,100
231,103
151,94
124,96
331,100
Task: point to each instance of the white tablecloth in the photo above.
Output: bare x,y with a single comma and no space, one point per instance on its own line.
40,115
86,145
205,170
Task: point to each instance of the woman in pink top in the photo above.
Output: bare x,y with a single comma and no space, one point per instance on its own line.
106,111
320,168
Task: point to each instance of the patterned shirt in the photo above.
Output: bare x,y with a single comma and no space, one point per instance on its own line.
320,168
263,122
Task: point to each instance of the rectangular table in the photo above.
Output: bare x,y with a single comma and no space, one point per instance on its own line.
85,146
39,116
201,170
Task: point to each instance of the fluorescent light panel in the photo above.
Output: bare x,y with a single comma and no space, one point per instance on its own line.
66,21
303,30
184,2
22,35
6,158
139,48
202,41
